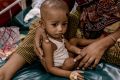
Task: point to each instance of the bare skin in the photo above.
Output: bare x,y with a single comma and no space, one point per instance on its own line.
8,70
93,52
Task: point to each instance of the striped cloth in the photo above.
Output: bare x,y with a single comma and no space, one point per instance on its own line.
26,48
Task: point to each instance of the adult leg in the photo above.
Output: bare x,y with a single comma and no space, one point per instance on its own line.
15,62
23,54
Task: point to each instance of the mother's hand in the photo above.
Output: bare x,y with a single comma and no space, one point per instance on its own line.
91,55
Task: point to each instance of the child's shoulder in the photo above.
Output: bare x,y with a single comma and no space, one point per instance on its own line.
47,44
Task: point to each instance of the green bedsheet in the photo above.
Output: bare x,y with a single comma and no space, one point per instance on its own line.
103,71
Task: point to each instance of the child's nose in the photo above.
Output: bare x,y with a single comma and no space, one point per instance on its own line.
60,28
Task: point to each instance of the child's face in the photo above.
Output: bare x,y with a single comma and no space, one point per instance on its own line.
55,23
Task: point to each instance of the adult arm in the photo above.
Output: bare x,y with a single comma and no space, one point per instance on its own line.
93,52
40,35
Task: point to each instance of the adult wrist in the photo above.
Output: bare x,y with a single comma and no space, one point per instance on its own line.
114,40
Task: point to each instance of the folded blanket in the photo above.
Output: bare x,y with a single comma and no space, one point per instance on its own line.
9,39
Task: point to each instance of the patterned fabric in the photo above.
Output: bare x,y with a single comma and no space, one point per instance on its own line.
26,47
9,39
112,28
73,21
83,2
96,16
113,54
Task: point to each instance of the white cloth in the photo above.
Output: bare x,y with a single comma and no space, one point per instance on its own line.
61,53
31,14
37,3
35,11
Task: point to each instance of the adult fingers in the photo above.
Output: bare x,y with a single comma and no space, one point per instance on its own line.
83,61
96,62
38,52
88,63
78,57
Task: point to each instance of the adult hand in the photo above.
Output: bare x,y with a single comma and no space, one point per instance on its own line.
91,54
39,37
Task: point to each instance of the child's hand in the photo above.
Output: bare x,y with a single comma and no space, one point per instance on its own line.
75,75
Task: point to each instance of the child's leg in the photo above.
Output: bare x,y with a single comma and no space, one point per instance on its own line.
68,64
15,62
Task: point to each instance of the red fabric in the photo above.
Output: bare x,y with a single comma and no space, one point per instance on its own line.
83,2
9,39
5,17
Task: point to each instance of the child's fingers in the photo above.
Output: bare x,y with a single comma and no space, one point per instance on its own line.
79,78
80,71
75,75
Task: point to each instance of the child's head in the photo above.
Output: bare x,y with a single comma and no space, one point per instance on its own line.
54,17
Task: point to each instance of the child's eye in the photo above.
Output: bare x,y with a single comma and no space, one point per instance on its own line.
65,24
54,24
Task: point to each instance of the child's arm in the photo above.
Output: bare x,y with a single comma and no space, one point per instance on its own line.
72,48
48,49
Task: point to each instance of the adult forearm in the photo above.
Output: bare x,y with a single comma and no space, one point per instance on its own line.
116,35
110,39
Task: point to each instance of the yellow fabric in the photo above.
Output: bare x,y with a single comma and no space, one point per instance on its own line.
112,28
25,47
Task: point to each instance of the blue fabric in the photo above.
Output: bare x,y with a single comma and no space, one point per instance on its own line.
35,71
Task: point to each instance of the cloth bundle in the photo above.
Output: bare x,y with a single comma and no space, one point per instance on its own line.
9,38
